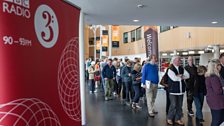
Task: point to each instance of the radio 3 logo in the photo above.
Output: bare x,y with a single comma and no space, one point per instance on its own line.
46,26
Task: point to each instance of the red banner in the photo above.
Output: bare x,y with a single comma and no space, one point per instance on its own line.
39,63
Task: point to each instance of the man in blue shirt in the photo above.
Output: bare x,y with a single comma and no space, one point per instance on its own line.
150,79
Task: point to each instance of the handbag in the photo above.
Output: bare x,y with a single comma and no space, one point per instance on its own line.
97,78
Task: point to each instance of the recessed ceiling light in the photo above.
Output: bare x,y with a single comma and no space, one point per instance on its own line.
140,5
214,22
201,52
136,20
191,52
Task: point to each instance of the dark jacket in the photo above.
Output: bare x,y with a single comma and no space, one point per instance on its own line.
175,86
192,70
222,71
199,86
215,97
125,71
135,75
109,72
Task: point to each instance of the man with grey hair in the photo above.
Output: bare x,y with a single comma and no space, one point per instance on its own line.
176,76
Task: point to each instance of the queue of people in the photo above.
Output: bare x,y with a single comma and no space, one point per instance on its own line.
131,81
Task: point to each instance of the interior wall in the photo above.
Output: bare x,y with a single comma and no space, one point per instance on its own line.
136,47
185,38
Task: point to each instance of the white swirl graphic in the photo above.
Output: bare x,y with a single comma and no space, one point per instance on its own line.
27,112
68,80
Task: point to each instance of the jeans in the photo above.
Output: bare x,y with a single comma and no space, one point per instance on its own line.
92,85
175,110
217,117
128,91
109,87
137,93
151,94
198,101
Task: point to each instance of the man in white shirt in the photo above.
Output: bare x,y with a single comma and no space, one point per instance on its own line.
176,76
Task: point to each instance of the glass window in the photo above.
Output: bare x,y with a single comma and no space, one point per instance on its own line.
133,36
139,33
125,37
164,28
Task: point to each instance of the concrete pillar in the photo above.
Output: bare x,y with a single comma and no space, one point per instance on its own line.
216,51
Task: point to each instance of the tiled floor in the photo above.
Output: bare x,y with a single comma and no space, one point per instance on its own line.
114,113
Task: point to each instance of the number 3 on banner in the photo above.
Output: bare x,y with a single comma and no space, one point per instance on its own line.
46,26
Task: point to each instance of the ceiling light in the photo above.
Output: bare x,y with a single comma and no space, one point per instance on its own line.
164,54
222,50
140,5
214,22
178,53
191,52
136,20
171,54
201,52
184,53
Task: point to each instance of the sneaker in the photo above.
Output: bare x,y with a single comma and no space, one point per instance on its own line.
106,99
133,105
151,115
169,122
137,106
190,113
95,91
127,103
179,122
90,92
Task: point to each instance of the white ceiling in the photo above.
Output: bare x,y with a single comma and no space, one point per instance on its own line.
155,12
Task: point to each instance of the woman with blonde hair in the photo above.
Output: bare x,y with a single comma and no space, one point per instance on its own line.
215,97
136,83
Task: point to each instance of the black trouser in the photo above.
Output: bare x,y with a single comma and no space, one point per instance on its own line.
217,117
189,99
167,101
123,90
119,84
115,86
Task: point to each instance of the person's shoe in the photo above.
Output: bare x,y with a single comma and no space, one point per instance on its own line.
110,98
190,113
169,122
137,106
95,91
179,122
200,120
127,103
106,99
90,92
155,112
151,115
133,105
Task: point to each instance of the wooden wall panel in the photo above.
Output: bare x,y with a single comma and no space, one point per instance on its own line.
200,37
